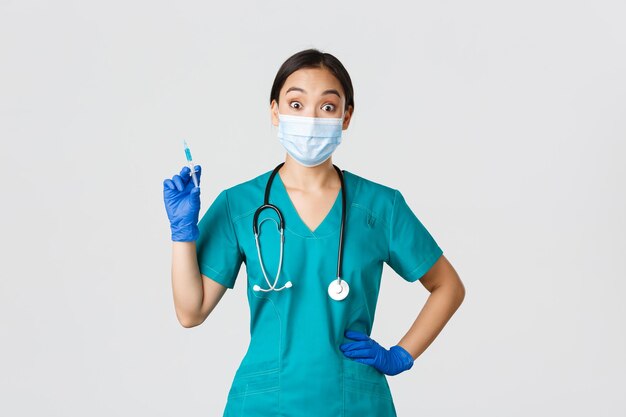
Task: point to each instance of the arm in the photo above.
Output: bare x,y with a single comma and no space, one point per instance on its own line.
446,295
195,295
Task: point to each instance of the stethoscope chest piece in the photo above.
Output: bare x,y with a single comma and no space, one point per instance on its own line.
338,291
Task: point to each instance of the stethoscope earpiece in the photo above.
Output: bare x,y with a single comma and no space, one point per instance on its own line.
338,289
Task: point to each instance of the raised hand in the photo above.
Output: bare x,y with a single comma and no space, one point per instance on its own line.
182,203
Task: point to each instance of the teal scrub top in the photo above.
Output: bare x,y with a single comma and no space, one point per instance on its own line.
293,365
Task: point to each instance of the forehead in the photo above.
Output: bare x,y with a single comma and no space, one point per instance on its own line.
312,80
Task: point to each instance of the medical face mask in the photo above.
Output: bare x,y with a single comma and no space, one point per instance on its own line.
309,140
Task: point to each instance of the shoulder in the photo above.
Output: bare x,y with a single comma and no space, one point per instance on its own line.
367,186
243,197
369,195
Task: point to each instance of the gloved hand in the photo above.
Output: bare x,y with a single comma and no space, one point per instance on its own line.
182,203
367,351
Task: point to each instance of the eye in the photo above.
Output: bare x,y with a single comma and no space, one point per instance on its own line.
332,107
295,102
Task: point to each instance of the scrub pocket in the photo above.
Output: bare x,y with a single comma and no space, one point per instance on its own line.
254,394
365,391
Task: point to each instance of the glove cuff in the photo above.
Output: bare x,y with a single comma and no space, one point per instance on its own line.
404,356
186,234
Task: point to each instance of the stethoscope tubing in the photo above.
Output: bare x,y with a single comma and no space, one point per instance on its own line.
281,228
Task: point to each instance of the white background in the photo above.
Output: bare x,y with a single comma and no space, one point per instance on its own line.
502,123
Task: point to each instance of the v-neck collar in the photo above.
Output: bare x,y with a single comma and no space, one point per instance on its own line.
294,223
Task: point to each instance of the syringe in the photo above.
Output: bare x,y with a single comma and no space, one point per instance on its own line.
190,162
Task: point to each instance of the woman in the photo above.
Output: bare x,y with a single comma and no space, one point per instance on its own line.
313,297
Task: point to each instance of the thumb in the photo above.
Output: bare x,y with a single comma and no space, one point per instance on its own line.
194,199
198,171
356,335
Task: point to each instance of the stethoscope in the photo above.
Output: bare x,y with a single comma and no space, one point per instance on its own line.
338,289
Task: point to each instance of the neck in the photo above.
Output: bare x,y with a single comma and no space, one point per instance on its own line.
308,178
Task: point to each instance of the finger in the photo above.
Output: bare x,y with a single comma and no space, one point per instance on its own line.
176,179
346,347
167,183
366,361
360,353
184,172
355,335
185,175
169,190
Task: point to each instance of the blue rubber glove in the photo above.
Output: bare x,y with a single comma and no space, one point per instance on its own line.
182,203
367,351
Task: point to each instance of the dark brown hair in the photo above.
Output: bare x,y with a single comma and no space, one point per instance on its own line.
313,58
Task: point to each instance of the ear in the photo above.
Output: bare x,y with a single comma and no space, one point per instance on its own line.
346,118
274,112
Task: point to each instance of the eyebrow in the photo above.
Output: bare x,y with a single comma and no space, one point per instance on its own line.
329,91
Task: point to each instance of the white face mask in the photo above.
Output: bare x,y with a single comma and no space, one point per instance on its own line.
309,140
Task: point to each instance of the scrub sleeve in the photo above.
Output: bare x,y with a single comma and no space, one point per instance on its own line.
219,256
412,249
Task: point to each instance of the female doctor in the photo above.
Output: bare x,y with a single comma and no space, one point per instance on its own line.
314,238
